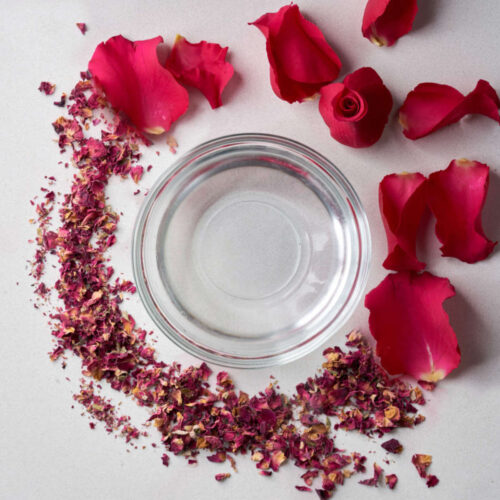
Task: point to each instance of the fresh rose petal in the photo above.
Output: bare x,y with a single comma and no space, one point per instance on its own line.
135,82
456,197
356,110
411,327
431,106
301,60
384,21
402,199
201,65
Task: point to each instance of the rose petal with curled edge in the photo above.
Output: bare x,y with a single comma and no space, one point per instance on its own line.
136,84
402,200
301,60
201,65
411,327
356,111
431,106
384,21
456,197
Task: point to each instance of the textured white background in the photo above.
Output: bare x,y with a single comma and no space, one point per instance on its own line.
46,448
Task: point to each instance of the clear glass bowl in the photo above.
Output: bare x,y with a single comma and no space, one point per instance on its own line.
251,251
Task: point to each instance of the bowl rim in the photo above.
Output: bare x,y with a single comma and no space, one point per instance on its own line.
299,350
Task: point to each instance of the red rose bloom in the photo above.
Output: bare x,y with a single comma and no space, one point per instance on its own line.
384,21
301,60
136,84
356,110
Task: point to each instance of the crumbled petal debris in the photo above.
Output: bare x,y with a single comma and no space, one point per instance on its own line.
47,88
191,415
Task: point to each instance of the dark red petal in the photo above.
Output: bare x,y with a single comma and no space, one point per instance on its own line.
300,58
411,327
431,106
456,197
136,84
384,21
201,65
359,123
402,199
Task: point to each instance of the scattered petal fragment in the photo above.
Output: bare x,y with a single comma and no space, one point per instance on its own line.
47,88
222,476
82,27
373,481
456,197
431,106
301,59
421,463
402,200
357,110
431,481
391,480
135,83
392,446
384,21
202,65
411,327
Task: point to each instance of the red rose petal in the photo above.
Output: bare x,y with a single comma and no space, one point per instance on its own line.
456,197
135,83
384,21
201,65
356,111
411,327
402,199
301,60
82,27
431,106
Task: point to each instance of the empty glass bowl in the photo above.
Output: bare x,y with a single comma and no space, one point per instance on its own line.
251,251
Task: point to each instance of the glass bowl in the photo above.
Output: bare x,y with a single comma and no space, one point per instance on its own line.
251,251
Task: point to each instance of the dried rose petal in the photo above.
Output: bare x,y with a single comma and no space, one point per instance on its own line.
47,88
431,106
135,83
431,481
201,65
356,111
402,199
165,460
456,197
82,27
222,476
384,21
392,446
421,463
303,488
411,327
373,481
301,60
391,480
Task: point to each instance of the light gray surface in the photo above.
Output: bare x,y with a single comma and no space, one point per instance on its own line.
46,448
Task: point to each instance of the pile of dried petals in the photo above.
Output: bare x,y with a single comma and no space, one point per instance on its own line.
190,415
